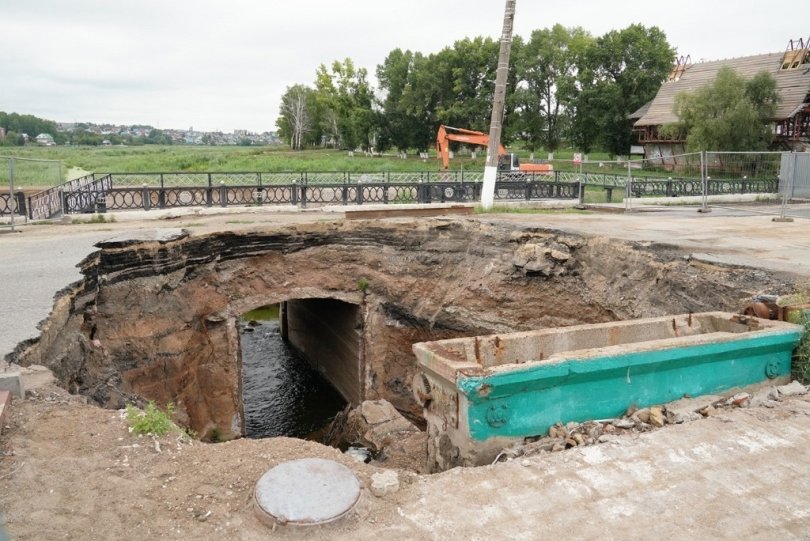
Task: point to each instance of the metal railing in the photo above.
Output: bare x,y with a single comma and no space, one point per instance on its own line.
676,176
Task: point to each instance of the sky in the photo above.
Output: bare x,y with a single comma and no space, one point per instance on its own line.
221,65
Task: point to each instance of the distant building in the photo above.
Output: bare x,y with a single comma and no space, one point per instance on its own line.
45,140
2,133
790,70
106,143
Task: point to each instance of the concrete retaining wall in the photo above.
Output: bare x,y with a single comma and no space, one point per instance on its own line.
327,333
482,394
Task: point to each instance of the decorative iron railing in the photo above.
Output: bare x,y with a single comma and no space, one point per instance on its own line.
146,191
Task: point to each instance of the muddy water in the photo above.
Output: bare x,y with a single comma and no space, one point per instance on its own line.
283,395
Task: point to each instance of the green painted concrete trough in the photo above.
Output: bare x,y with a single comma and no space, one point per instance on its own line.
482,394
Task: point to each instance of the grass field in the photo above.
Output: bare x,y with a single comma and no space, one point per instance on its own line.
76,161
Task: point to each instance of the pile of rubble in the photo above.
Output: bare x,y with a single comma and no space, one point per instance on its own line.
561,437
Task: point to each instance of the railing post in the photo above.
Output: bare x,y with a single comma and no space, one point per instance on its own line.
209,193
30,209
294,193
385,187
21,204
528,190
146,199
223,194
161,193
582,193
359,199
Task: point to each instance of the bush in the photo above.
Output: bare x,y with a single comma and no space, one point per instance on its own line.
151,420
801,356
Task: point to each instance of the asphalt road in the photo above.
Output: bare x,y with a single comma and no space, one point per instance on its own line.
33,268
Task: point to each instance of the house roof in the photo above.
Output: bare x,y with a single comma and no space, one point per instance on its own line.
793,85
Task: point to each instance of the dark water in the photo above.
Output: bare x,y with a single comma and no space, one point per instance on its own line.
283,395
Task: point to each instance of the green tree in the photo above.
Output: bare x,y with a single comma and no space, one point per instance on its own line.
345,105
619,72
729,114
547,68
28,124
297,123
401,126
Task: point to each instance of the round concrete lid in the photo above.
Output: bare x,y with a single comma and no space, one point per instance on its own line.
305,492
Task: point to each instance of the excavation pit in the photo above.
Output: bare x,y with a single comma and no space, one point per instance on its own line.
157,317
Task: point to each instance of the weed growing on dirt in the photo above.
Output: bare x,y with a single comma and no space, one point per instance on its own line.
95,219
362,284
151,420
801,356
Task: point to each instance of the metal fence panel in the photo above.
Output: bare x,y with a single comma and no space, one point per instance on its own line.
801,176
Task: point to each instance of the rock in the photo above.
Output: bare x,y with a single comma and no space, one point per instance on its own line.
579,439
657,416
559,252
769,394
532,259
708,411
685,410
642,415
375,424
557,447
740,400
793,389
386,482
624,423
557,431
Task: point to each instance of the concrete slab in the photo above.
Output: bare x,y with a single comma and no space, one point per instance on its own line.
148,235
11,381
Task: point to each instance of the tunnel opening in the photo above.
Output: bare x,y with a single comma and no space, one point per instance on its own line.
300,366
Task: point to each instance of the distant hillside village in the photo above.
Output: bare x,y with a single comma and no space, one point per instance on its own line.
19,130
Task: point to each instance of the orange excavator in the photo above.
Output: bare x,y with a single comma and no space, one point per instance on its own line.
506,161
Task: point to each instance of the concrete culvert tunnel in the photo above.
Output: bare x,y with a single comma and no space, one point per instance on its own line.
159,318
301,365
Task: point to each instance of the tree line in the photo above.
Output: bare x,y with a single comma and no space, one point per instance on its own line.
565,86
15,125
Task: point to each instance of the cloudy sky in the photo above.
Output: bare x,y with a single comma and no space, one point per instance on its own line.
223,64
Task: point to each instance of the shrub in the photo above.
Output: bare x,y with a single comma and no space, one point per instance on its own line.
151,420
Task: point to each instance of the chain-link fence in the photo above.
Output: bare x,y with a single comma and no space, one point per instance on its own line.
17,177
687,179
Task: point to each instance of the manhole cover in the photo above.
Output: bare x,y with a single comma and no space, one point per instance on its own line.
306,492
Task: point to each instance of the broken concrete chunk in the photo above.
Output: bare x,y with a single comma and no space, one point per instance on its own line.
739,400
793,389
769,394
624,423
685,410
386,482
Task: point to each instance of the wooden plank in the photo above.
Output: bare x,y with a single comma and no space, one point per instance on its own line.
455,210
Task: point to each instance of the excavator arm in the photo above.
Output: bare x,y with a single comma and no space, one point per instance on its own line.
461,135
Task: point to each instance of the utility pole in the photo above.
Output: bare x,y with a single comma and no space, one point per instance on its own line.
491,168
